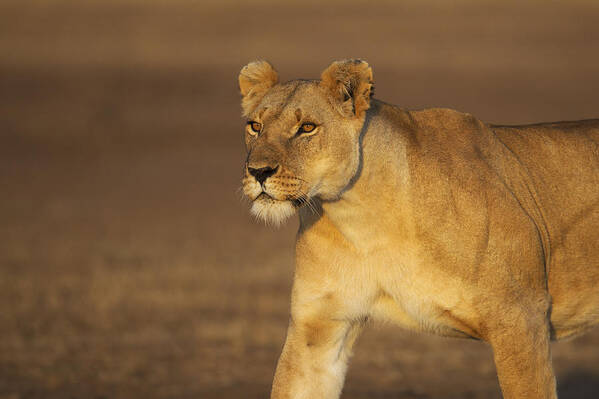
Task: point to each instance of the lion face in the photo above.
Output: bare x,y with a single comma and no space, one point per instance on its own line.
302,137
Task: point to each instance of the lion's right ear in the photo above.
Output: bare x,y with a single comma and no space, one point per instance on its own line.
254,81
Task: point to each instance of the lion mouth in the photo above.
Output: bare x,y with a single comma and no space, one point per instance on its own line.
267,198
264,196
272,210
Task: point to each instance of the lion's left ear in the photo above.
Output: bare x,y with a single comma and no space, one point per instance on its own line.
255,79
350,83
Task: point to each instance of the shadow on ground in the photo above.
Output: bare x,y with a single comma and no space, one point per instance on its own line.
579,385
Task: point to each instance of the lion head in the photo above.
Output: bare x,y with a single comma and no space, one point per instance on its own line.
302,137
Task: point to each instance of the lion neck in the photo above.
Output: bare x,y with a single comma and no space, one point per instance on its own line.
376,198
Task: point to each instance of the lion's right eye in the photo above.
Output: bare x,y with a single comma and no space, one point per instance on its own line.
255,127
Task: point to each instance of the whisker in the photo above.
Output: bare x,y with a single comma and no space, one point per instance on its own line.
242,197
313,207
303,198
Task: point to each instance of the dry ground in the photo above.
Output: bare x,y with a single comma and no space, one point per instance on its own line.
129,267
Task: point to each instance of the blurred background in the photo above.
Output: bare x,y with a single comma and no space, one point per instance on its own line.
129,264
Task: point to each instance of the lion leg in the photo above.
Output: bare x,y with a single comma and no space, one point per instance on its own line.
314,358
522,356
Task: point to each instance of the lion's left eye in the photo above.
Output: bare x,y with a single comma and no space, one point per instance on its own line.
306,128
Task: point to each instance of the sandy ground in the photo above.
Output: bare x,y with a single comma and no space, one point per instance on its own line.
129,266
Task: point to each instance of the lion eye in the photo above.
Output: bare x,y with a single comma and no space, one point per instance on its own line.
306,128
255,126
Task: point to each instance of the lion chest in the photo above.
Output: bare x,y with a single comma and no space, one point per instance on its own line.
420,299
397,287
380,273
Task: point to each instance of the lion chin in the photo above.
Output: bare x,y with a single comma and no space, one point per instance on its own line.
271,211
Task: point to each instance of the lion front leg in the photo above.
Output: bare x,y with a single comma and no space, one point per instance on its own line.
314,358
523,357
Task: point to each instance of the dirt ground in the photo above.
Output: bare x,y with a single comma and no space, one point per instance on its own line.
129,265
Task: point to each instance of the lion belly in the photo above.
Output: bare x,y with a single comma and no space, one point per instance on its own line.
562,162
574,279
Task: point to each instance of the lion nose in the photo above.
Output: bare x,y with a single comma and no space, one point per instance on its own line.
262,174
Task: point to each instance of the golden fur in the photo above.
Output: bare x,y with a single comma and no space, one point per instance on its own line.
431,219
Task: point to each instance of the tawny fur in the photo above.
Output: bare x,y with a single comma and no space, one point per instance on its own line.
431,219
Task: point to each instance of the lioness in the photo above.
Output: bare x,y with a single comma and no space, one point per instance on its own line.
431,219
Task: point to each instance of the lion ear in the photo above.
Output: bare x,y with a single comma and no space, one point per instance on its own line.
350,83
254,81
